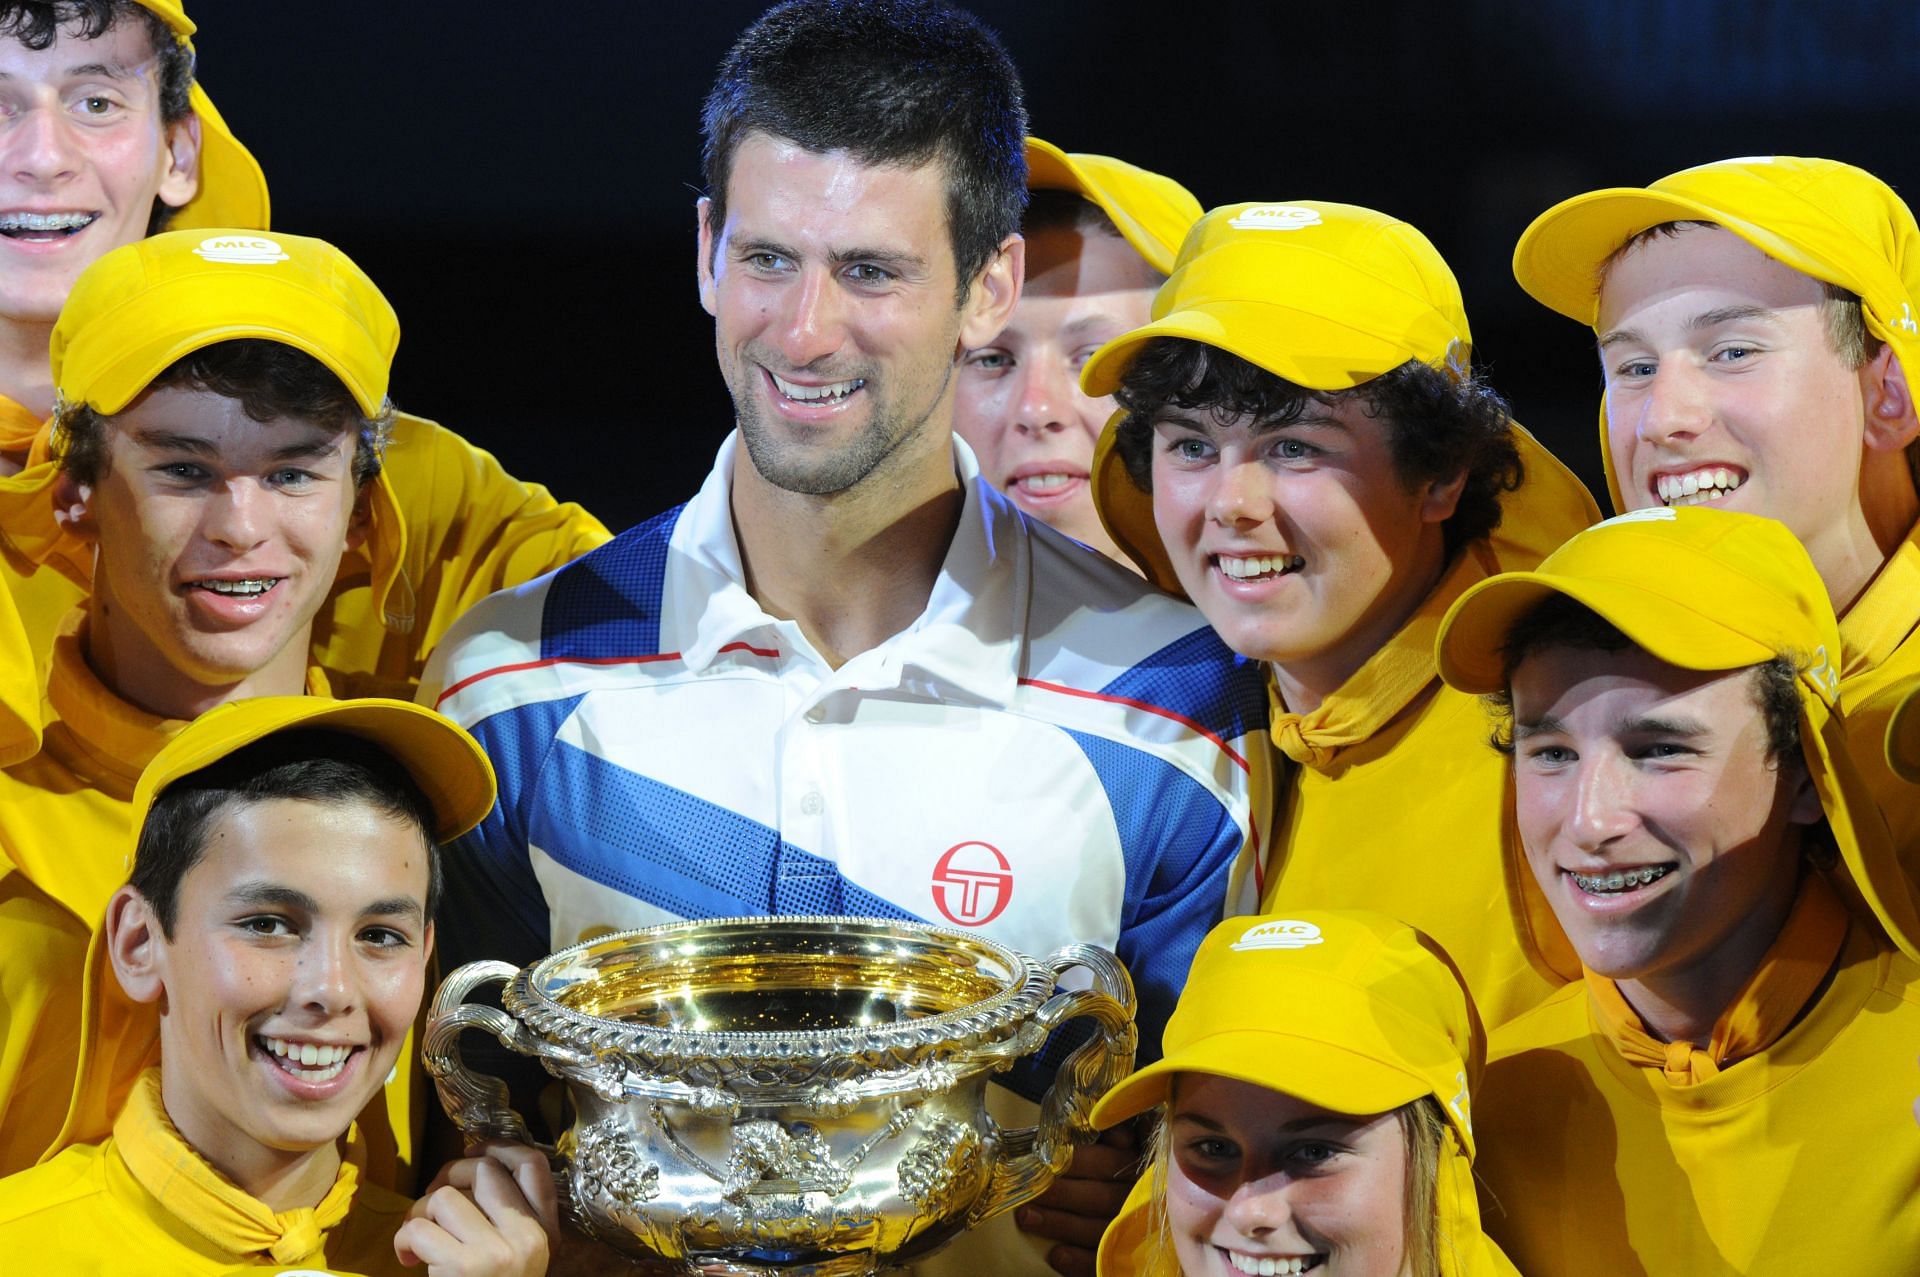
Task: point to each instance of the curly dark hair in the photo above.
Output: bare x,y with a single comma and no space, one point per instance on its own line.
36,24
890,82
269,379
1437,428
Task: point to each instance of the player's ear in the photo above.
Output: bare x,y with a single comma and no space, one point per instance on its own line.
994,294
1892,422
136,946
72,504
709,239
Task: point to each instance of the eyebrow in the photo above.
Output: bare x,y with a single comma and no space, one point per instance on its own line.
173,441
1315,421
1310,1122
271,895
1682,728
1545,725
112,70
1704,320
896,258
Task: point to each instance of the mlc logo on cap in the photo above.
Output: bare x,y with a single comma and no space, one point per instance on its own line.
1284,934
241,250
1274,217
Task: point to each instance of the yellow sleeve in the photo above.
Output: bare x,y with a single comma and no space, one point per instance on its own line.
42,953
468,529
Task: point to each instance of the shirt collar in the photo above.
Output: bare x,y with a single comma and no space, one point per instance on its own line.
966,645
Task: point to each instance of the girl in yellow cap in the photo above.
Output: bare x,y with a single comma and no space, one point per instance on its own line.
1315,1111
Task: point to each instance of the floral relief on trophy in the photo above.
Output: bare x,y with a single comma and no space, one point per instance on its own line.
609,1172
942,1172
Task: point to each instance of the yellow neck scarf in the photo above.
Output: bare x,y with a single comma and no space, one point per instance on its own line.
205,1200
1381,688
17,426
1788,977
1882,617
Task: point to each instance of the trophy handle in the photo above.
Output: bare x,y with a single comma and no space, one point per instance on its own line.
1039,1153
476,1102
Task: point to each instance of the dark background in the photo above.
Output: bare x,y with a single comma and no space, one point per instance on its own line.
520,178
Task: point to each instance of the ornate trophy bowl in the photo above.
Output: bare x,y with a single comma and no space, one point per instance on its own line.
794,1095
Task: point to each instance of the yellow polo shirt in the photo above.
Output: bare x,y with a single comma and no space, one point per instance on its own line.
448,527
65,845
1802,1158
1880,635
145,1202
1391,798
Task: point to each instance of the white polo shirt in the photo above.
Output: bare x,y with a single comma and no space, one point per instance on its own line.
1053,752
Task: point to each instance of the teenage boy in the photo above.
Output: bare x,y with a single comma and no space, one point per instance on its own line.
1721,1093
1100,238
278,924
225,410
848,676
109,137
1758,339
1306,455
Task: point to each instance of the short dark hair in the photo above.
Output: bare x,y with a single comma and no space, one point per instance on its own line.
36,24
1562,622
310,765
1437,427
269,379
898,82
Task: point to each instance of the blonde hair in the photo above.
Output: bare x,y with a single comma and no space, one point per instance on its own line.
1422,1126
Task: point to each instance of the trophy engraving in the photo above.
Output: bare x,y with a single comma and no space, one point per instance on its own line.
802,1095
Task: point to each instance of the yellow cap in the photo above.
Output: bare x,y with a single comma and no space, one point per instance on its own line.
1351,1011
448,765
1829,220
233,190
1153,213
1706,589
143,306
1328,296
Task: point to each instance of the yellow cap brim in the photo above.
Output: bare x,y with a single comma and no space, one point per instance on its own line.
176,317
1473,634
1152,213
448,765
1309,1069
233,189
1559,256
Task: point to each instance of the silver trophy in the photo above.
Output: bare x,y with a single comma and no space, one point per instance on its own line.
790,1095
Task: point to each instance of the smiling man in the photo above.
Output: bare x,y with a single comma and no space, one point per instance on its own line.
1100,237
849,676
1758,334
1307,455
1721,1092
224,417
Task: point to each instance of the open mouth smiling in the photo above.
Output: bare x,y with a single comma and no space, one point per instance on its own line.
44,228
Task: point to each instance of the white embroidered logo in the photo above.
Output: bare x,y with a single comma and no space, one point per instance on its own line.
1905,323
1651,514
1274,217
241,250
1284,934
1822,674
1459,1102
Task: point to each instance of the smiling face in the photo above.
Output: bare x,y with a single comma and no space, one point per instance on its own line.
1019,402
1300,542
1258,1178
1724,386
84,154
297,961
1659,827
219,539
832,289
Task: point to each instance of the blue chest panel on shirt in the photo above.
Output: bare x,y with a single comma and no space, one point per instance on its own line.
606,604
679,852
1201,679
